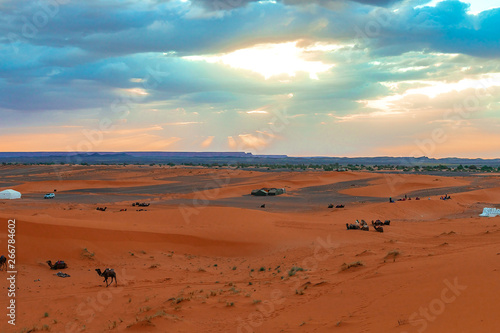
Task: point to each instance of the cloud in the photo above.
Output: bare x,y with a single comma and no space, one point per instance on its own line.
114,60
257,112
272,59
448,27
225,5
76,141
231,142
207,142
253,142
483,86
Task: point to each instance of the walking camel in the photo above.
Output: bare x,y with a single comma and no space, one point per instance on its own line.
108,273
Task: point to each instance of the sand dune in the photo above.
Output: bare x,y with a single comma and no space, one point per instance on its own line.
391,185
212,264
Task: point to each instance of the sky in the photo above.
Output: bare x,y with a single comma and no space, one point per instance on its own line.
296,77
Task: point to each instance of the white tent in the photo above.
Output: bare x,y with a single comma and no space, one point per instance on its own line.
10,194
490,212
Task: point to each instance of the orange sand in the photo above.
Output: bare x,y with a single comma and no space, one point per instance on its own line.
209,268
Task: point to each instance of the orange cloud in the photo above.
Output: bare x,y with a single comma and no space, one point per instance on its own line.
207,142
87,141
473,144
231,142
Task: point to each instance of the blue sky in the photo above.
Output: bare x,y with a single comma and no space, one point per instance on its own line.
303,78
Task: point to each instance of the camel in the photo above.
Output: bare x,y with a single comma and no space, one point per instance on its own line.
365,227
351,226
57,265
379,229
3,262
263,206
387,222
339,206
330,206
108,273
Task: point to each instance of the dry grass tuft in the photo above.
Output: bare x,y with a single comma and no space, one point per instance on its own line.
350,265
392,254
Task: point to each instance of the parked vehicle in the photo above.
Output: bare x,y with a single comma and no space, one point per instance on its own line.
49,196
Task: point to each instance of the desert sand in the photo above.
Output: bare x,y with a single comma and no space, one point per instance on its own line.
205,257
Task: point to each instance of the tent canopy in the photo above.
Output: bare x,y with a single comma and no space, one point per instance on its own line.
10,194
490,212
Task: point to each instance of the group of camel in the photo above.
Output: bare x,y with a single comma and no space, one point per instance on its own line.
377,225
140,204
108,272
104,209
403,199
337,206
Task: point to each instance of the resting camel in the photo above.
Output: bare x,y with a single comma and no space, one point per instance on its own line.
3,262
351,226
263,206
57,265
108,273
330,206
379,229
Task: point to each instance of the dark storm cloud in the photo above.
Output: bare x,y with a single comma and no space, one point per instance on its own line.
218,5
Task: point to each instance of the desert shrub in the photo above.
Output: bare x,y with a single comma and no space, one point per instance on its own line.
294,270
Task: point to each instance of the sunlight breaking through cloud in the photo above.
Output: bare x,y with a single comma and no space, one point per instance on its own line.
275,59
432,89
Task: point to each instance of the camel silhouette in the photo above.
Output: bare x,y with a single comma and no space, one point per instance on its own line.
57,265
379,229
108,273
3,262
